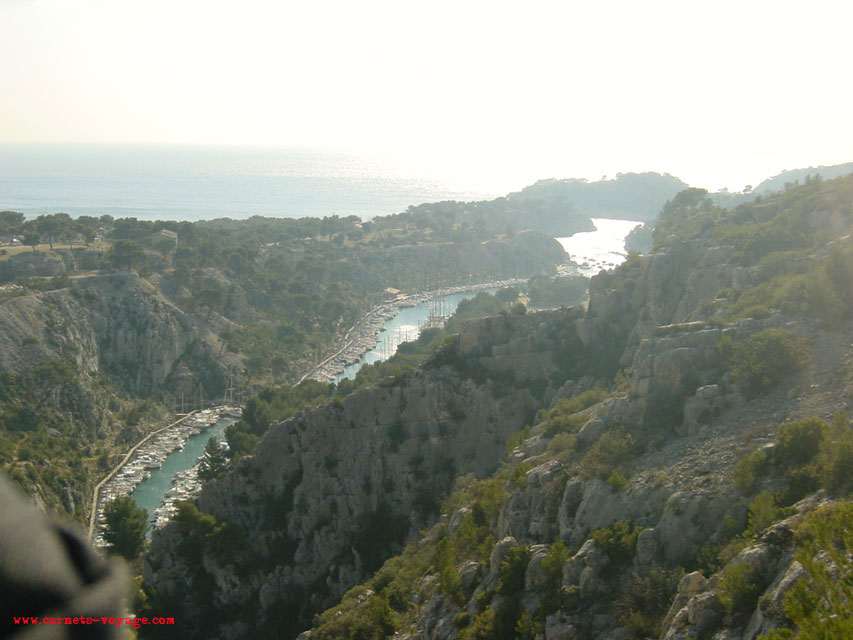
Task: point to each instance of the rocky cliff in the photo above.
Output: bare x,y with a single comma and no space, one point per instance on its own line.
78,359
327,496
626,481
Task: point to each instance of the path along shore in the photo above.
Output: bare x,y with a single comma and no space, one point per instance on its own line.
361,337
358,340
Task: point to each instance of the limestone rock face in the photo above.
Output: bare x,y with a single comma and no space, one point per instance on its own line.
117,323
591,583
704,611
535,576
691,584
600,506
499,551
690,519
531,512
329,494
557,628
647,548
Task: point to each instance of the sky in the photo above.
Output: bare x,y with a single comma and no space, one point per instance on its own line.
721,94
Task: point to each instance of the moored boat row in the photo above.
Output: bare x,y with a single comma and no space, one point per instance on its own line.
151,455
363,336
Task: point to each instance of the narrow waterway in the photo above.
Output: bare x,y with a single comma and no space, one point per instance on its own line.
601,249
149,493
406,326
593,251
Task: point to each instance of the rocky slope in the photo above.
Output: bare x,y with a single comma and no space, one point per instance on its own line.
111,340
324,490
601,506
92,356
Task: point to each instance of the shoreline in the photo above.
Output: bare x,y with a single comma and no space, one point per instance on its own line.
124,477
362,336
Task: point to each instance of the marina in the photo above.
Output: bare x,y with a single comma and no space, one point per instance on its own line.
164,469
378,334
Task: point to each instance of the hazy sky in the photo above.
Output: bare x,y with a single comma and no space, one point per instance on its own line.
719,93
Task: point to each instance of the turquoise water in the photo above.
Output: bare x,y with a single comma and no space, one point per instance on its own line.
404,327
149,493
602,248
195,183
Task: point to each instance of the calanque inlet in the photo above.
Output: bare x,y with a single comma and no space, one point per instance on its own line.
662,450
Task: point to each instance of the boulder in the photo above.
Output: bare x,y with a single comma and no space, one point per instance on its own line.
647,548
692,583
591,583
456,519
704,612
468,574
535,577
499,551
592,431
558,628
572,497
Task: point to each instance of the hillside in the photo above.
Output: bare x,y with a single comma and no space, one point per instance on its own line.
667,451
628,196
102,341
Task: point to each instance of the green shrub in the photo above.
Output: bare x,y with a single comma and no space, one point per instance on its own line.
836,458
646,598
609,451
483,627
762,513
445,565
517,438
489,496
513,567
798,442
519,474
618,541
641,624
809,454
738,590
563,445
800,481
764,359
527,627
820,604
617,480
584,400
373,619
556,559
461,620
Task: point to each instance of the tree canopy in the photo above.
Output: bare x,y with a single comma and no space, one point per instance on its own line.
125,528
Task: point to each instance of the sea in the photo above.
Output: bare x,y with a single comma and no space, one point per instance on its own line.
600,249
201,183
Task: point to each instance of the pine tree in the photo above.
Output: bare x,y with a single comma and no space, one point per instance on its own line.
125,528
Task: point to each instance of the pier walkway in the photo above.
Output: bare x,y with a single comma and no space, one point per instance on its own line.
93,509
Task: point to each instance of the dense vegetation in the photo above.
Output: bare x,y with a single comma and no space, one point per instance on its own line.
48,438
276,293
126,525
276,403
796,267
628,196
549,293
795,245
